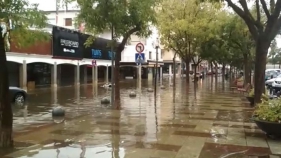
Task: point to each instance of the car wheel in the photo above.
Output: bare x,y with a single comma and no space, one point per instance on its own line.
19,99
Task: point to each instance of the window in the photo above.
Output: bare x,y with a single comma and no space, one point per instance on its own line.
68,22
150,55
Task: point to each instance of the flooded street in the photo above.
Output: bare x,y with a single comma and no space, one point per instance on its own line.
205,120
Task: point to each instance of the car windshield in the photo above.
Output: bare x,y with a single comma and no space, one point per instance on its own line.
279,76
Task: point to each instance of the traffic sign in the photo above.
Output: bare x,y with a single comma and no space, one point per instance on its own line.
94,63
139,58
139,47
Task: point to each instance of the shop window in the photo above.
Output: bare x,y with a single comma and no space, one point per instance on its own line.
68,22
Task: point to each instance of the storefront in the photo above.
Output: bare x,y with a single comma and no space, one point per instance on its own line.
67,45
39,74
100,51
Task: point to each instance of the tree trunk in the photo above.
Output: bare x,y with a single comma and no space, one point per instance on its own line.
216,69
247,69
6,115
187,71
260,64
117,77
212,69
195,71
223,71
230,75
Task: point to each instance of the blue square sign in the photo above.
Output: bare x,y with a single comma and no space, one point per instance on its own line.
139,58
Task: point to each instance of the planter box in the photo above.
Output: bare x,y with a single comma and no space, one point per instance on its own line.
270,128
251,100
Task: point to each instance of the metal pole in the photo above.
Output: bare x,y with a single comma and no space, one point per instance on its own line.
139,72
155,77
112,68
57,11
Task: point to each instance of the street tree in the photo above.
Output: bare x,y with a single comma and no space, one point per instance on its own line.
16,17
184,25
240,39
263,31
124,18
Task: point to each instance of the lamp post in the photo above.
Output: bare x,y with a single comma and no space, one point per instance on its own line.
156,45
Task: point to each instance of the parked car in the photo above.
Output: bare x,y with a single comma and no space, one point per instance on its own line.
269,82
271,74
278,70
276,85
17,95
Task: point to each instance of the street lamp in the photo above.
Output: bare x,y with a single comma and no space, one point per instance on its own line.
156,46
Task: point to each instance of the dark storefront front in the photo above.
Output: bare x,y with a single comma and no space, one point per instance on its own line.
67,45
39,74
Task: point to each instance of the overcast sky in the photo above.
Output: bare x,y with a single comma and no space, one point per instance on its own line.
50,5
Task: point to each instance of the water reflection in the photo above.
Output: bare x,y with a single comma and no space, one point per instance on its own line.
159,123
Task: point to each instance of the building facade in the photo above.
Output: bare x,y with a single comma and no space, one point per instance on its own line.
61,61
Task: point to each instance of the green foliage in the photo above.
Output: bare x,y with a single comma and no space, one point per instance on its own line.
269,110
184,25
22,16
231,43
265,95
125,16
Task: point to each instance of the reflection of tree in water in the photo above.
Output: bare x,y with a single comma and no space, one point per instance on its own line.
115,137
83,148
19,111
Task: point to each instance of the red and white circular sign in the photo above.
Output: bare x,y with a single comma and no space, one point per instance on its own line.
139,47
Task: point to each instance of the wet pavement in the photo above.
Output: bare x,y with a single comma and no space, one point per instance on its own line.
206,120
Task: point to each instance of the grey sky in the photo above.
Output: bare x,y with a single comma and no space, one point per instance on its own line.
48,5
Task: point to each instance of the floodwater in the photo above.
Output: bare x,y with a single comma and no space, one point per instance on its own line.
203,120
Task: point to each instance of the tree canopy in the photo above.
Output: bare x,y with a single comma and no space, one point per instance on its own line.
24,22
264,23
124,18
184,24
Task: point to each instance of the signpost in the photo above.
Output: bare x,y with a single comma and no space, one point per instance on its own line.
139,47
139,58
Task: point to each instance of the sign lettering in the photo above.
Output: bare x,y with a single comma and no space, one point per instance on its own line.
96,53
69,43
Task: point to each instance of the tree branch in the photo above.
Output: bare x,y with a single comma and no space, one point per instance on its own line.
128,34
275,29
250,23
258,11
265,9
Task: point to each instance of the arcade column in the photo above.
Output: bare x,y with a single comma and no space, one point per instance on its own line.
77,75
106,74
54,76
170,69
95,74
161,74
85,69
23,75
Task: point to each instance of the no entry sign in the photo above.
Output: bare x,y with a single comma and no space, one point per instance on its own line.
139,47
